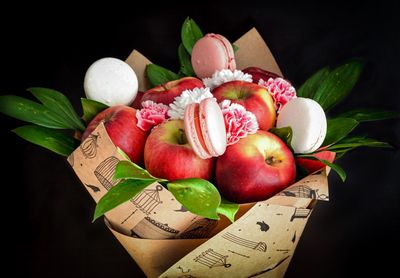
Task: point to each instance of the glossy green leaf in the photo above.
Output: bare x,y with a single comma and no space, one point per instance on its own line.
31,112
310,87
129,170
198,196
91,108
158,75
336,86
190,34
366,114
337,129
285,133
59,104
185,61
119,194
53,140
349,143
339,170
229,209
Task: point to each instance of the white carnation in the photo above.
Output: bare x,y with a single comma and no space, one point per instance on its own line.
223,76
177,108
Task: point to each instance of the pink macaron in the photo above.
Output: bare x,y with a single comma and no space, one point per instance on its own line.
205,128
212,53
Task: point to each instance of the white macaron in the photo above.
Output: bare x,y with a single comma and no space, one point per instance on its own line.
308,122
111,81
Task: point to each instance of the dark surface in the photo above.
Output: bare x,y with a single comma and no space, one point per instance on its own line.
47,212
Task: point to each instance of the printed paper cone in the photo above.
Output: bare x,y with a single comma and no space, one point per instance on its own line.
165,239
155,256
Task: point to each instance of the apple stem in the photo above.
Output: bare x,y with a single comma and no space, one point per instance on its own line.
182,140
270,160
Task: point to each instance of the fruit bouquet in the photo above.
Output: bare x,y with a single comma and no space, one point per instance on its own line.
209,172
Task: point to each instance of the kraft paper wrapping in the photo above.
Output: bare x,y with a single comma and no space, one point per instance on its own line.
166,240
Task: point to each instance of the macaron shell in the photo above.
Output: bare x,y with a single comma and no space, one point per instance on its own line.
308,122
229,49
193,132
111,81
212,53
212,126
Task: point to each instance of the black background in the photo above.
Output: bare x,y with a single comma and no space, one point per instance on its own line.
46,212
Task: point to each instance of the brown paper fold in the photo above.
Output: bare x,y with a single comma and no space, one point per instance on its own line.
261,241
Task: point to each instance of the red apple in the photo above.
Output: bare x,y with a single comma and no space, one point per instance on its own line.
166,93
258,74
314,165
137,103
255,168
120,123
168,155
254,98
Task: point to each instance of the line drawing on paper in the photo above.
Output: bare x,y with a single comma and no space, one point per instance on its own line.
89,146
285,251
151,228
93,187
294,237
303,191
105,172
300,213
269,269
264,227
148,199
129,216
211,259
234,252
181,268
259,246
199,229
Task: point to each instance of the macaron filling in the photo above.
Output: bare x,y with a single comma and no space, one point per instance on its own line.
193,131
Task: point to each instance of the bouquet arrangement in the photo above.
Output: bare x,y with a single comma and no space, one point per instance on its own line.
211,171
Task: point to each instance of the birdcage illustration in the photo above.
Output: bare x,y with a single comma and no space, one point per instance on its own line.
105,172
148,199
211,259
153,229
300,191
300,213
259,246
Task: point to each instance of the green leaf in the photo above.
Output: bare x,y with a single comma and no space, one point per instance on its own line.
190,34
338,84
310,87
121,152
185,62
339,170
366,114
129,170
51,139
235,48
119,194
91,108
198,196
59,104
337,129
158,75
350,143
228,209
285,133
31,112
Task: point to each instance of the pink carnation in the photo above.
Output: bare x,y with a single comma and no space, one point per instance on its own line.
151,114
280,89
238,121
